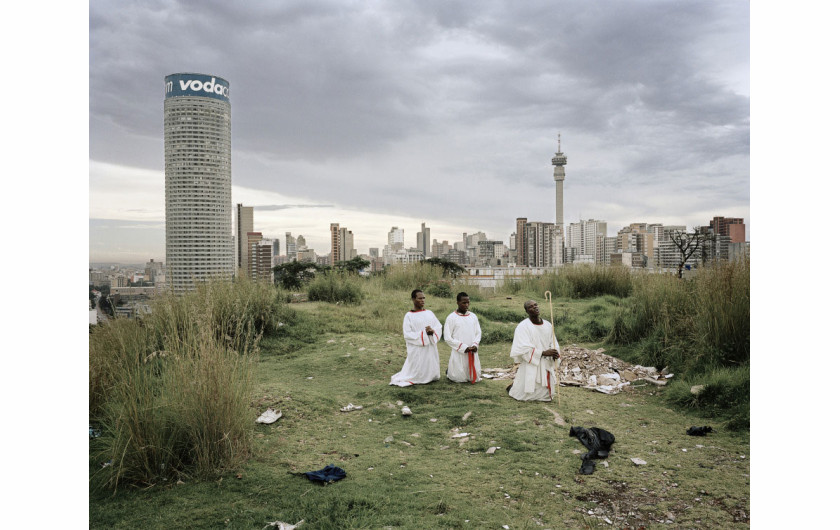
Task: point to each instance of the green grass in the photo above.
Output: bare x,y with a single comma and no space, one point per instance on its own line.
327,355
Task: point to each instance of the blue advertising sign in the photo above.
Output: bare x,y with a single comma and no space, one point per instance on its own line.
202,85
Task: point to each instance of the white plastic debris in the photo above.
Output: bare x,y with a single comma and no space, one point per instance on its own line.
460,435
492,450
283,526
269,416
351,407
638,461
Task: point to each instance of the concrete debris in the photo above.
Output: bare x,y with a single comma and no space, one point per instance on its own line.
406,411
492,450
593,370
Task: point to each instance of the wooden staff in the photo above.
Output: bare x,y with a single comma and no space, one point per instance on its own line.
553,335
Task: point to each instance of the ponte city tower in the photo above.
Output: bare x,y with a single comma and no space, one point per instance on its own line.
196,123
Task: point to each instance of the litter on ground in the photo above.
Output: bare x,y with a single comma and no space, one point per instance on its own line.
269,416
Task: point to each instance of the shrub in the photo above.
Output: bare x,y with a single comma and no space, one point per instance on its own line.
335,287
171,392
440,288
725,392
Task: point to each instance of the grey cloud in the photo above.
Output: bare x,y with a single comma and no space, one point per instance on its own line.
344,89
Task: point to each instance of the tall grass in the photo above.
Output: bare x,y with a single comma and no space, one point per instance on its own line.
171,392
691,325
334,286
575,282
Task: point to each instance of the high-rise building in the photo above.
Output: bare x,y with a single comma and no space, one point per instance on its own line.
520,240
259,257
244,225
541,245
396,238
424,241
730,226
196,133
291,247
341,244
582,237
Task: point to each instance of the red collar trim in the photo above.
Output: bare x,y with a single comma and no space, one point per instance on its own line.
417,311
460,315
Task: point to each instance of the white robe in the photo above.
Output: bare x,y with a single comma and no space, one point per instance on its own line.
536,378
461,332
422,362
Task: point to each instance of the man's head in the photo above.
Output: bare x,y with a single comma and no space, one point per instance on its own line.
418,298
463,300
532,309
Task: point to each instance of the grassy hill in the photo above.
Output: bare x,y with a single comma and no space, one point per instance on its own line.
404,472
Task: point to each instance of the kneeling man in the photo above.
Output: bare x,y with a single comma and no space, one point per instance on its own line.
535,349
463,333
421,331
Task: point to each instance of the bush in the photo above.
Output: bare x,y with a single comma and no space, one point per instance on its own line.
335,287
725,393
171,392
440,288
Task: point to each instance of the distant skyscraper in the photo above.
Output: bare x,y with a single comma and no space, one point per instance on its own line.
424,241
520,240
730,226
559,163
291,246
244,225
396,238
196,133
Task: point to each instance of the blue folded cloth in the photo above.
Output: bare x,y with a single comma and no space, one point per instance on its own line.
326,475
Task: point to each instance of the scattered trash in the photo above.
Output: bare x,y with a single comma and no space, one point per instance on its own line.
433,420
351,407
389,439
283,526
460,435
698,431
406,411
638,461
327,475
94,433
492,450
465,416
108,463
269,416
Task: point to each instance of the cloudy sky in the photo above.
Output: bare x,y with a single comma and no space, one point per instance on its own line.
378,114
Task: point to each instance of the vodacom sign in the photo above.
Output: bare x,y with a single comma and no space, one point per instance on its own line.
196,85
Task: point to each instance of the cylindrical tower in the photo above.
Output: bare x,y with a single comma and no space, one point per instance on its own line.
196,123
559,161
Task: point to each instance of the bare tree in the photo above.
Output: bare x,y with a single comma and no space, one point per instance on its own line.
687,243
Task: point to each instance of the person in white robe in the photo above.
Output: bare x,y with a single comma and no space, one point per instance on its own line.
421,331
462,333
536,350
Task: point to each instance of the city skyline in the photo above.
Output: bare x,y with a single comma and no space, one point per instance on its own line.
446,115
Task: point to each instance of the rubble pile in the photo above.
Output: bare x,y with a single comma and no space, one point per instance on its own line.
593,370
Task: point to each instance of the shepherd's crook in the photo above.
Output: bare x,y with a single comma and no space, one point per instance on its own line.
553,334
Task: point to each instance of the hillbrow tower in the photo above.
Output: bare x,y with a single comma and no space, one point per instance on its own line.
196,133
559,163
